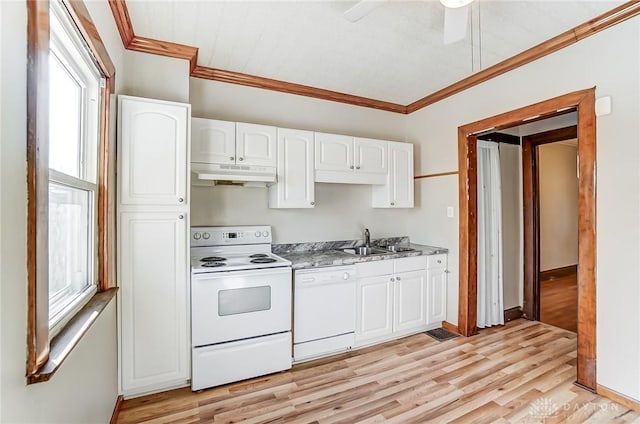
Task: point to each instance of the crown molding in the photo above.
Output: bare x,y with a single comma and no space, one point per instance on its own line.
164,48
292,88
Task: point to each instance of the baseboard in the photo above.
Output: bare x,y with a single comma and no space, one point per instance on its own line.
512,313
558,272
618,397
450,327
116,410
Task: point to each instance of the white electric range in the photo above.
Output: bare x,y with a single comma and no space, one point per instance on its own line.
240,305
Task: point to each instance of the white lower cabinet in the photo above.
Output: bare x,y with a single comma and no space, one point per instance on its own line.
153,262
437,289
392,299
410,301
374,308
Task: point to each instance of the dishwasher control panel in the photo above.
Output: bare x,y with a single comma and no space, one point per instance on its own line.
328,275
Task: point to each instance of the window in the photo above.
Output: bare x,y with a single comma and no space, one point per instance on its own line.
74,112
69,83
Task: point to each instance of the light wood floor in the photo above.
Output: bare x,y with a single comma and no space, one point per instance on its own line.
559,302
520,373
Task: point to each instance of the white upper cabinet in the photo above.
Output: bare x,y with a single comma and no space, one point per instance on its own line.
333,152
398,190
370,155
225,142
255,144
350,160
153,151
213,141
295,171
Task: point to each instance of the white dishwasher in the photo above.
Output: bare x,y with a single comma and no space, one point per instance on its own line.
324,317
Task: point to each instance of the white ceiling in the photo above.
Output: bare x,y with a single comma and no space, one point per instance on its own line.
394,54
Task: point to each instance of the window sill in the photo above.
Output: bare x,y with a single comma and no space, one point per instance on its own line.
62,344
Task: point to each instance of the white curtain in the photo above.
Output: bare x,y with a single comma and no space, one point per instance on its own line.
490,285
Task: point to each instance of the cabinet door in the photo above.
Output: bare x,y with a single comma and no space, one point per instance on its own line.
410,301
333,152
295,187
401,175
374,309
153,151
255,144
436,295
153,275
370,155
213,141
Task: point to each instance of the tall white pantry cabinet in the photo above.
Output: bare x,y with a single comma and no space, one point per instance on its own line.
153,244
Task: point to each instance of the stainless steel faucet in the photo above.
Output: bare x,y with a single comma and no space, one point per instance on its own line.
367,238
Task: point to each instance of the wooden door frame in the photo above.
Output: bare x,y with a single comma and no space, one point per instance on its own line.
531,214
584,102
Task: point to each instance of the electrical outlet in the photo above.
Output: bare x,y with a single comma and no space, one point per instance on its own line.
449,211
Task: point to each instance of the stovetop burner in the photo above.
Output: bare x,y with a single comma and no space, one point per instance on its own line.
213,259
258,255
213,264
262,260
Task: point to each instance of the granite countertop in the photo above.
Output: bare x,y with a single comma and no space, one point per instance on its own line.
320,254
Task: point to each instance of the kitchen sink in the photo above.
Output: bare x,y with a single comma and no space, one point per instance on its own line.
365,251
397,249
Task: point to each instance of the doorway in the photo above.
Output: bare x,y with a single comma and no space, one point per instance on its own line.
584,103
550,198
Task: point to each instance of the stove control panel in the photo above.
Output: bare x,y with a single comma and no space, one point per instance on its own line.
222,236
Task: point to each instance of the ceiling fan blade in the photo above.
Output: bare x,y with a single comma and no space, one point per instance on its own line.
456,21
362,9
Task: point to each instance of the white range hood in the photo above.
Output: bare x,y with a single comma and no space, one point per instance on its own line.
207,174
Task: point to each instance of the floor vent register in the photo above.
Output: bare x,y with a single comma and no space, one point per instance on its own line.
441,334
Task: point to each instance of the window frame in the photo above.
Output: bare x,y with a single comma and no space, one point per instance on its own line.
74,58
39,344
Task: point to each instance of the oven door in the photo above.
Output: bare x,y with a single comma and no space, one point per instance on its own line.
227,306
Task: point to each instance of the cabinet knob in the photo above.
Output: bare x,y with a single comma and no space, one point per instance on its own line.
446,271
357,167
392,204
241,159
397,278
180,216
392,279
313,203
180,200
232,158
439,261
351,167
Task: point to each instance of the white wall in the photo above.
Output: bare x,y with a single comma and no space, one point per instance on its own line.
558,187
84,389
156,77
510,165
608,60
342,211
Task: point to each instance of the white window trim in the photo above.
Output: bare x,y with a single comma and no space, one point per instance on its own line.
69,55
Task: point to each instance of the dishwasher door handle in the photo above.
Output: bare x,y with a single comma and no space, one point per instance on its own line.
312,282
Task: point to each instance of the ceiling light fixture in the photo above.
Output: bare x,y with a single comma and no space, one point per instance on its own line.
454,4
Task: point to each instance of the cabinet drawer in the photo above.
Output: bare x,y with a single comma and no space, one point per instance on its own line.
412,263
369,269
437,261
